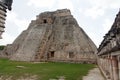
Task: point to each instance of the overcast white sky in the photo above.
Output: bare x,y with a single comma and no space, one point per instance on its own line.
94,16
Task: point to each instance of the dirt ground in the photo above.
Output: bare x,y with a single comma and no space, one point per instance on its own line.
22,78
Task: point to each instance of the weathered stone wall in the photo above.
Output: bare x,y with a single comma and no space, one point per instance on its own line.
72,57
54,36
64,12
29,43
109,51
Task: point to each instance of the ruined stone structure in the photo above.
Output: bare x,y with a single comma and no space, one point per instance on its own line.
109,52
53,36
4,5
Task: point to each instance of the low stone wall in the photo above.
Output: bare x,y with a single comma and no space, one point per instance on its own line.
82,61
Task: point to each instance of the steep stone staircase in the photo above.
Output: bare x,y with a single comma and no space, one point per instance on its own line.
44,45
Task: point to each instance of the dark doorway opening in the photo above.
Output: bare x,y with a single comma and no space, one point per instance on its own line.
6,53
44,21
52,53
71,55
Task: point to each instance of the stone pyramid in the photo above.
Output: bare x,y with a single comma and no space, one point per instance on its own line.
53,36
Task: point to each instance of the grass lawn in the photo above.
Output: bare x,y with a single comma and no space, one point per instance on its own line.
44,71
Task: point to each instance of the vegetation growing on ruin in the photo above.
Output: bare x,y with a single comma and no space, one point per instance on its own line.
44,71
2,47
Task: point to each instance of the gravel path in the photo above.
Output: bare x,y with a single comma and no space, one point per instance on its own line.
94,74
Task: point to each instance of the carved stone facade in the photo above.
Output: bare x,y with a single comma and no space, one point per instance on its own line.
109,51
4,5
53,36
